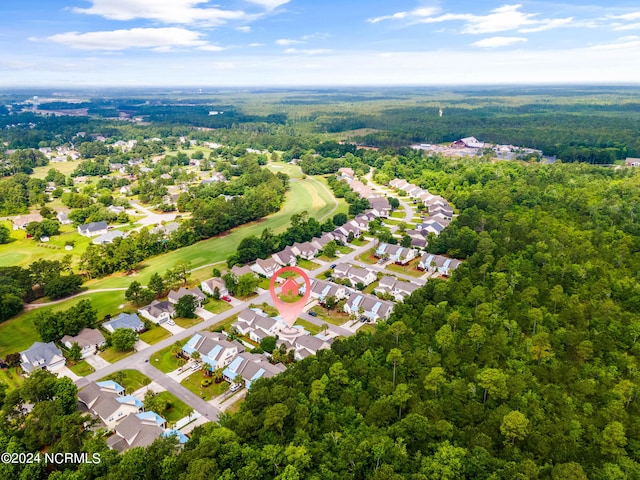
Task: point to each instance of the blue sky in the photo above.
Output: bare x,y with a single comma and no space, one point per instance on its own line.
316,42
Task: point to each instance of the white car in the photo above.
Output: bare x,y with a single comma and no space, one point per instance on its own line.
171,323
235,386
195,366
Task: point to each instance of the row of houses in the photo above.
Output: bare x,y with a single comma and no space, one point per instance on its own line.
125,416
380,206
395,253
438,264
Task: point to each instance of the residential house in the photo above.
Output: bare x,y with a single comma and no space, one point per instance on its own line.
438,263
380,206
368,307
124,320
287,256
418,238
444,211
354,274
395,287
400,255
306,345
93,229
632,162
266,267
137,430
320,243
348,172
174,296
63,218
415,192
107,401
398,183
158,312
42,356
257,324
115,209
108,237
322,289
21,221
88,339
214,348
251,367
305,250
381,250
238,271
349,228
166,229
209,286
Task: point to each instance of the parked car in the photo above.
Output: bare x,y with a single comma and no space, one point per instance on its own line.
195,366
235,387
312,313
226,298
171,322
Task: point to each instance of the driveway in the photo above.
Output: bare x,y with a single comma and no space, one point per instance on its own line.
173,329
97,362
65,372
140,345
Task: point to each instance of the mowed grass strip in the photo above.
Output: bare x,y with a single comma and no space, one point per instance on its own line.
164,360
154,335
177,408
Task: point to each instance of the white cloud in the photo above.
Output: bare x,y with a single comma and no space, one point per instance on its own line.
624,43
287,41
311,51
212,48
244,29
626,26
494,42
626,16
158,38
269,4
165,11
255,45
501,19
412,15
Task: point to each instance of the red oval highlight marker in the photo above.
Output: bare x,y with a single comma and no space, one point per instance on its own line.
290,311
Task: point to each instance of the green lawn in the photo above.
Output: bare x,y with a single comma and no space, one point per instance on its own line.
235,407
154,335
11,377
398,214
326,258
335,316
112,355
264,283
307,264
19,333
164,360
65,168
344,249
217,306
367,257
409,269
370,288
193,383
343,206
24,251
312,328
187,322
177,410
82,368
358,242
131,380
218,249
367,328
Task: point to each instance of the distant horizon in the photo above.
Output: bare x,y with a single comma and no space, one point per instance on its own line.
277,43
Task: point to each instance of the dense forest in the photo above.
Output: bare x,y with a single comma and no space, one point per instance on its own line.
521,365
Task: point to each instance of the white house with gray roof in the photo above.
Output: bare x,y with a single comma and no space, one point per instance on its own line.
214,348
93,229
107,401
124,320
251,367
42,356
395,287
158,312
368,306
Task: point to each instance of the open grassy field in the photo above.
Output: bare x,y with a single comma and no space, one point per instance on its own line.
219,248
22,251
19,332
343,206
65,168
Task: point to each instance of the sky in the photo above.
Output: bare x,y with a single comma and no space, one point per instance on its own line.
288,43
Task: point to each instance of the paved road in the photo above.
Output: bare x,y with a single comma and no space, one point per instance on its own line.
409,214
